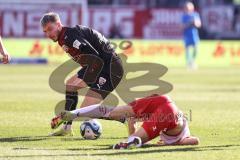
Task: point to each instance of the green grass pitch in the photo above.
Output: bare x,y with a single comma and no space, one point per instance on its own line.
27,105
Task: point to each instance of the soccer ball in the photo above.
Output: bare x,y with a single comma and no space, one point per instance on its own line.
91,129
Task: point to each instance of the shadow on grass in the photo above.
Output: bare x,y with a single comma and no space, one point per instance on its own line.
38,138
102,138
22,139
41,138
146,150
67,149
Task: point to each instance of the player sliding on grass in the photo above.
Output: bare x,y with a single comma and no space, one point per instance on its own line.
101,67
159,114
6,57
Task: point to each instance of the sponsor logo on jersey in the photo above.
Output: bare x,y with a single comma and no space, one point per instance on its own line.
76,44
101,82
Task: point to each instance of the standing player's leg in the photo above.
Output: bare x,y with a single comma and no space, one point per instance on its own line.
188,56
103,85
73,84
194,51
194,65
92,97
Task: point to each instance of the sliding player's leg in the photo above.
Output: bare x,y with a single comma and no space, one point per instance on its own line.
100,111
121,112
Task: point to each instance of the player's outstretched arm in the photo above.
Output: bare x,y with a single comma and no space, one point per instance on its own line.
6,57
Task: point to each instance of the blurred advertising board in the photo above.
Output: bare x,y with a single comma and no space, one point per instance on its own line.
218,19
22,19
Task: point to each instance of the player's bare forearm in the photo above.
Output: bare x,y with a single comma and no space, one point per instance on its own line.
2,52
6,57
197,23
131,126
2,48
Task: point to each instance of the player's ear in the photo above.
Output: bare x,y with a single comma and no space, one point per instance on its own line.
58,23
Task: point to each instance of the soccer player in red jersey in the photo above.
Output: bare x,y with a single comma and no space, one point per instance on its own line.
160,117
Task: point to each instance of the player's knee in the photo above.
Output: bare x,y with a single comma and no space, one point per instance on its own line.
70,87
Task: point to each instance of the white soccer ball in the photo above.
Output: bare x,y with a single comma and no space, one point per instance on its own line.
91,129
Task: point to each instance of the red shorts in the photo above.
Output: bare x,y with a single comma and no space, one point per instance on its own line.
157,113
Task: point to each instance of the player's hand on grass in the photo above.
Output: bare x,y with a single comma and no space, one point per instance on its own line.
161,143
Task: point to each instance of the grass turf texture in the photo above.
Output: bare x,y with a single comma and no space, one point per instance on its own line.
27,105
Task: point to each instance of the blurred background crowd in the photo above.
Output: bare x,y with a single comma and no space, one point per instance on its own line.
233,31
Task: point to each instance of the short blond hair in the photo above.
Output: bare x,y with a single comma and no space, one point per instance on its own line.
49,17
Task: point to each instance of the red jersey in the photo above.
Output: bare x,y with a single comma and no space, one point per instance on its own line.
157,113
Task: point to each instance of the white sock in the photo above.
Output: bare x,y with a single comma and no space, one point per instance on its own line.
131,138
93,111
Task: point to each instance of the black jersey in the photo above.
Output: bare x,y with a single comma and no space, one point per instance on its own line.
81,40
101,67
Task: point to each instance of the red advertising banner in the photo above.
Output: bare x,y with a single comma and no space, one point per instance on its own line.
147,24
22,20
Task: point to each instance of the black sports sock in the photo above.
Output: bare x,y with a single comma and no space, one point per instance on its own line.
71,102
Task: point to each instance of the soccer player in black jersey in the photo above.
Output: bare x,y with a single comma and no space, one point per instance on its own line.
101,67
